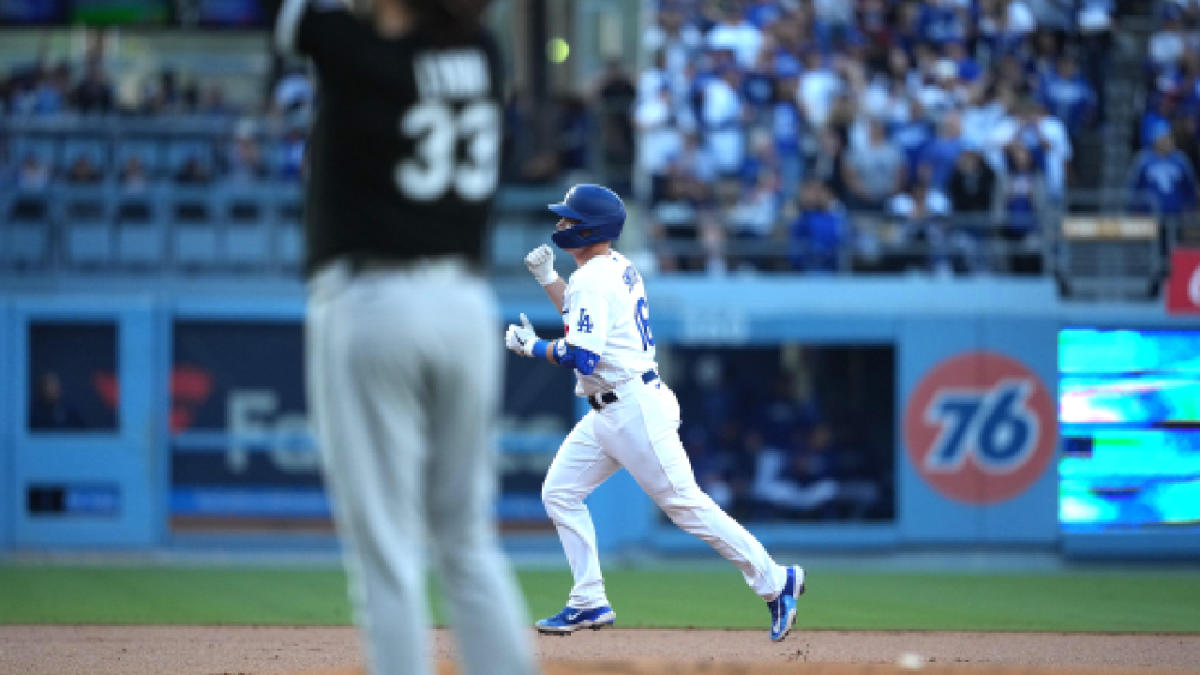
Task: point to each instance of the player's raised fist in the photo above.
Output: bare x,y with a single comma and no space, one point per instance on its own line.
520,339
540,262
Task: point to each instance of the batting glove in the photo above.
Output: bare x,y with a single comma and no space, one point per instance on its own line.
540,262
521,338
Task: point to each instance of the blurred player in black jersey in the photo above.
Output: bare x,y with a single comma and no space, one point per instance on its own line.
403,364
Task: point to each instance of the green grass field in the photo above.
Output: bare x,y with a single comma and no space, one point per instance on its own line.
1133,601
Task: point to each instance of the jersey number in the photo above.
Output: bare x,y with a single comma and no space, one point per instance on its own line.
437,130
641,318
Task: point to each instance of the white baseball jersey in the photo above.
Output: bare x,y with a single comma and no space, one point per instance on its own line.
604,311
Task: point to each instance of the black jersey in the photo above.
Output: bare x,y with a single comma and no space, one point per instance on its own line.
403,157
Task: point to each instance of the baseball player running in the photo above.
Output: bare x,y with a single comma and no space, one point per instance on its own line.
634,420
403,374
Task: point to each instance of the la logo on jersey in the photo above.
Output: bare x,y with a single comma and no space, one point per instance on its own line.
585,322
980,427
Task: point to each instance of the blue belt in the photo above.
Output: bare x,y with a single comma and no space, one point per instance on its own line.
610,397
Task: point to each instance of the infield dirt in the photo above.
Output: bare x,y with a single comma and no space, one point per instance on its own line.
137,650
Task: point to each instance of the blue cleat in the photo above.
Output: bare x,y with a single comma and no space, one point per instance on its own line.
783,607
571,619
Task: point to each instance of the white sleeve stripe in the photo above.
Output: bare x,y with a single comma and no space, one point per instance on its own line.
287,24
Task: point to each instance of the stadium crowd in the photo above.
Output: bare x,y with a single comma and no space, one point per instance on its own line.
1162,178
803,135
849,133
259,144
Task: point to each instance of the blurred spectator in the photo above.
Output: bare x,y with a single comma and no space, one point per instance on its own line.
786,130
212,102
753,218
245,162
819,232
33,174
938,158
833,23
1162,179
615,95
1046,139
1068,96
133,176
53,93
735,34
94,92
722,118
819,86
675,225
659,138
1168,43
972,185
761,157
293,91
982,114
873,171
291,153
921,214
1156,118
47,410
1022,192
827,160
912,135
784,411
166,97
1095,22
677,39
758,88
793,480
83,171
574,134
32,181
193,172
695,163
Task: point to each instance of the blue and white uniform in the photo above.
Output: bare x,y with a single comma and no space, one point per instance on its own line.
634,424
634,421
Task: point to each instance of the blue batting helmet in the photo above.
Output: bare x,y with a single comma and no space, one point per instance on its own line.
600,213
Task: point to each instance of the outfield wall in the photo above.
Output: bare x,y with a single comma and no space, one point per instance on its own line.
975,415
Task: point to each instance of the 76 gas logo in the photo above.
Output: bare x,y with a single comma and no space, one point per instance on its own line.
979,427
995,427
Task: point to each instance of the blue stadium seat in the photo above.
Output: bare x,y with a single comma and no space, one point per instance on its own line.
246,216
141,245
194,226
195,246
289,246
84,213
25,245
88,244
141,233
289,230
84,203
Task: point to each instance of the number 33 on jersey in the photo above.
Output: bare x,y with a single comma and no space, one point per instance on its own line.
438,130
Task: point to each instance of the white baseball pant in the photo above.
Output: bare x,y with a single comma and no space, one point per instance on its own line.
403,378
640,432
